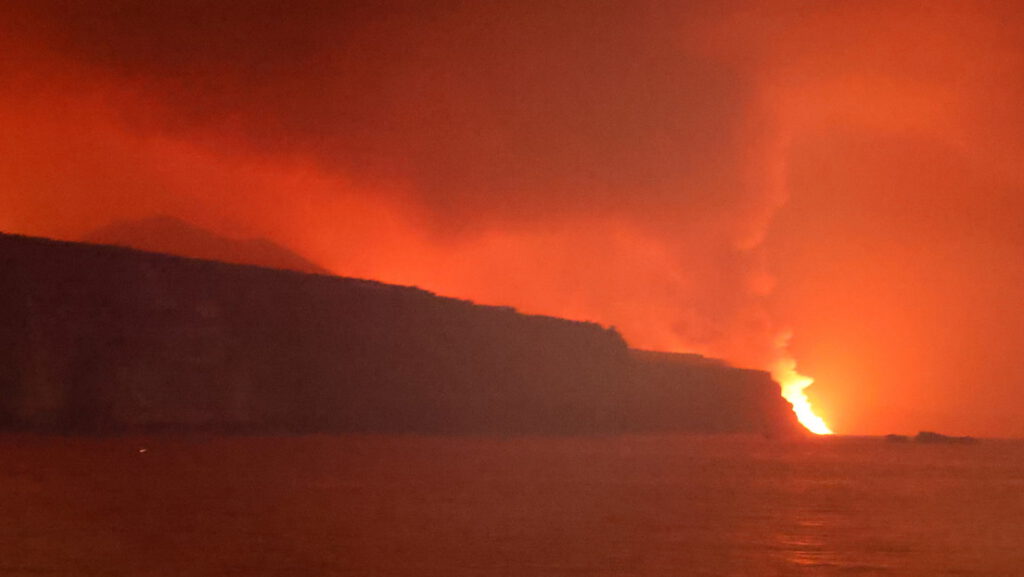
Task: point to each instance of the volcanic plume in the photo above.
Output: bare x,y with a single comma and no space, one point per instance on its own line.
702,177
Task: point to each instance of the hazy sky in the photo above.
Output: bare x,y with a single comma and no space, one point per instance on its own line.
703,176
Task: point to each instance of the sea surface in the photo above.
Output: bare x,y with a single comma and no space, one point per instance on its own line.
434,506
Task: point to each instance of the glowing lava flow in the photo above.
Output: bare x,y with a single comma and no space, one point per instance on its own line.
793,385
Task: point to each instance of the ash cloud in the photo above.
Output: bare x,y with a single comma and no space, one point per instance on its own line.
487,112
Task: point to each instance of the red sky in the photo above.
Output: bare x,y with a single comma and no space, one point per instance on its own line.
703,178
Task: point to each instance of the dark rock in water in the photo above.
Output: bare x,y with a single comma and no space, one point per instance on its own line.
931,437
99,338
897,439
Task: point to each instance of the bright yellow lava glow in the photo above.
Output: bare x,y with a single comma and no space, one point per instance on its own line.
793,385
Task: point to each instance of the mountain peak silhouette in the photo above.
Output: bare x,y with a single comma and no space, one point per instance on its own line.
170,235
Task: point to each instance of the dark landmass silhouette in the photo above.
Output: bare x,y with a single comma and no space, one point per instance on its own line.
169,235
929,437
108,339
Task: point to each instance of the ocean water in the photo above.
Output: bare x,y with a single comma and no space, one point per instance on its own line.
624,506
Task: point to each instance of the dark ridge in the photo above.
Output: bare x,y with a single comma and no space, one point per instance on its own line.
169,235
105,339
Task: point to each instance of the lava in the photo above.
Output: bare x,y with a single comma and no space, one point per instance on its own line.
793,385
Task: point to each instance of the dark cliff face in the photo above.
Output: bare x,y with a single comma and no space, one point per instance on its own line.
101,338
672,392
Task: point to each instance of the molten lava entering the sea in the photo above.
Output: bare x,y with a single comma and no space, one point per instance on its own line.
793,385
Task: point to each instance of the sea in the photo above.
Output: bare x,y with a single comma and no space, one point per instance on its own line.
661,505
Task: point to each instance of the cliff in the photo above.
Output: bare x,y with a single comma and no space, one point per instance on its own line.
672,392
101,338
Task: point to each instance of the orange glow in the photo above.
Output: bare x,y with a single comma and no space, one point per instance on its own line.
793,385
